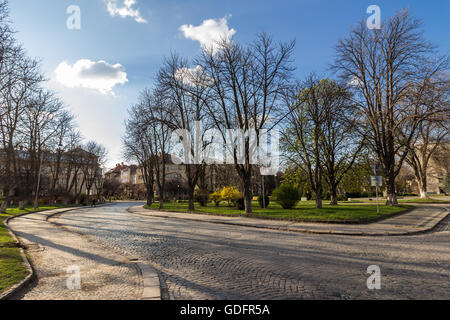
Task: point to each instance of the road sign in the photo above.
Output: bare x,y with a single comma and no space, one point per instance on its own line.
376,181
377,169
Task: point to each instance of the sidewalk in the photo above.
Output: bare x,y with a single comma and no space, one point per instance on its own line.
422,219
55,253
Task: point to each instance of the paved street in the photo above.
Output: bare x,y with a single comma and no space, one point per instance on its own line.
213,261
54,252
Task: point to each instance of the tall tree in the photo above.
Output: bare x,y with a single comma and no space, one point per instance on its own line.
136,147
93,158
388,69
432,132
186,92
246,85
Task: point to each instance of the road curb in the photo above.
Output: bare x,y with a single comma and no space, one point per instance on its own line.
423,230
72,209
151,283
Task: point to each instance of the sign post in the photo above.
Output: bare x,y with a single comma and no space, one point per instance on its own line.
377,181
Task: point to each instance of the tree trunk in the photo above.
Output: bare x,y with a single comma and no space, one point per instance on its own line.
3,207
334,199
423,186
423,190
318,192
318,201
247,196
390,190
149,198
161,198
88,198
191,199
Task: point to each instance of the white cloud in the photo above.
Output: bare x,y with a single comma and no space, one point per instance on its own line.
100,75
209,32
125,10
355,82
193,76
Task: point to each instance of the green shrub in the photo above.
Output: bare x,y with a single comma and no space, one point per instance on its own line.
287,196
240,204
342,197
263,201
353,195
201,196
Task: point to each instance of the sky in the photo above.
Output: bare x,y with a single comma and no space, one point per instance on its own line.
100,68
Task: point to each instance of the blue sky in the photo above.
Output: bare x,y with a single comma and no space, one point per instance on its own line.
133,50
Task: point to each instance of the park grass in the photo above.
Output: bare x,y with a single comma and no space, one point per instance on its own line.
303,212
12,270
422,200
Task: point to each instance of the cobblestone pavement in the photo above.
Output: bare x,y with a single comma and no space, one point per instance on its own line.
105,275
212,261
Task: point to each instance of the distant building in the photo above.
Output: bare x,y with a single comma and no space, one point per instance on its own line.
438,168
131,181
61,174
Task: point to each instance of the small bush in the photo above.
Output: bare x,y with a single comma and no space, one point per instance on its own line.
201,196
231,195
240,204
287,196
263,201
342,197
353,195
216,197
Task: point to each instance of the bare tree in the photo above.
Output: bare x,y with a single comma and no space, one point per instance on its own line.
147,141
155,119
39,126
19,84
186,93
341,143
136,147
246,83
388,69
60,142
93,158
302,138
432,132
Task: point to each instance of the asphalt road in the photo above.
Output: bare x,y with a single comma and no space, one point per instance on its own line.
212,261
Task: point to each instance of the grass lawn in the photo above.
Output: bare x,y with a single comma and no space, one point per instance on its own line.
11,269
420,200
305,211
